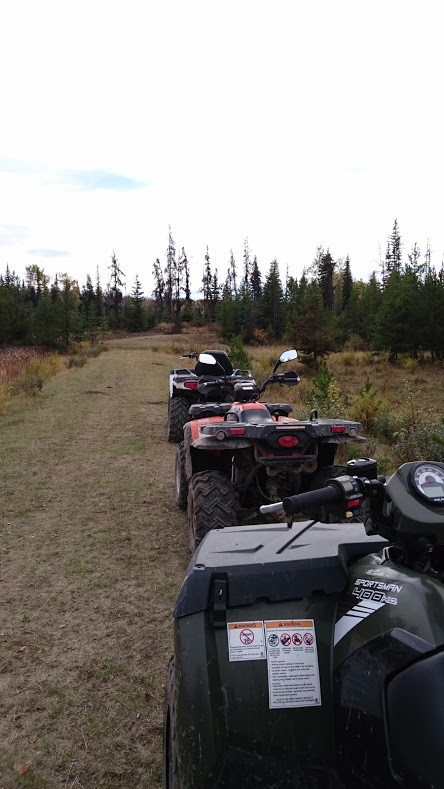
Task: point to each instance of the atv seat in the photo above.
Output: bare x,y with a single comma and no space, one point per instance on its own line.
223,366
204,410
279,409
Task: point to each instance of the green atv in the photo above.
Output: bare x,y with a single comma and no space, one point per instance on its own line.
312,654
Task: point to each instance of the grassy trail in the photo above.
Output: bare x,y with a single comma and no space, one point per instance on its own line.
92,553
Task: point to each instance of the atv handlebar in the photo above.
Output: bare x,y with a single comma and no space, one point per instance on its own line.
345,490
302,501
288,379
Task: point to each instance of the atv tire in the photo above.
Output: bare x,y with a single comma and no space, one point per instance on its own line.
177,417
211,505
180,478
170,767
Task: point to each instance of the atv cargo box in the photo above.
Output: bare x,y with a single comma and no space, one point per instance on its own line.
261,575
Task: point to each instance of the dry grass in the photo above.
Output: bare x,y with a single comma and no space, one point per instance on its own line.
92,555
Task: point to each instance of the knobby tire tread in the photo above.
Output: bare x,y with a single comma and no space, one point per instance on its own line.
211,505
180,478
177,418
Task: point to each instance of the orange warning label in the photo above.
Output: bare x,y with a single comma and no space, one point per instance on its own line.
289,623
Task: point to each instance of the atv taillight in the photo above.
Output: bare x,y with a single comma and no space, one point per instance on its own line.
338,429
237,431
288,441
190,384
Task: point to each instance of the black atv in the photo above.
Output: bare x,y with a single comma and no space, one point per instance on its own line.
237,456
213,378
312,655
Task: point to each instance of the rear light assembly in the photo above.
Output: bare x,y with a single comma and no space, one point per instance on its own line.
190,385
234,431
288,441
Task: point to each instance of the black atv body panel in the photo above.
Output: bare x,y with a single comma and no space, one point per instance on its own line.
354,737
257,428
283,562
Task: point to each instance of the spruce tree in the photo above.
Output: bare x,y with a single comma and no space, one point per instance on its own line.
135,313
393,256
159,289
326,268
256,281
207,280
233,274
115,296
369,307
272,304
347,284
170,276
247,265
312,331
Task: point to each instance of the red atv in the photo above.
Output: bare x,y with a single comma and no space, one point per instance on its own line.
238,456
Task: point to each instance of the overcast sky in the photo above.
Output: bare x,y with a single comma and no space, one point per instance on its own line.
293,124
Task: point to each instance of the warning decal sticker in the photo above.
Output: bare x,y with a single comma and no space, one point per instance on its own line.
246,641
292,660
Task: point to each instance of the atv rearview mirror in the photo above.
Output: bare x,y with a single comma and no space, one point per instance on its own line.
288,356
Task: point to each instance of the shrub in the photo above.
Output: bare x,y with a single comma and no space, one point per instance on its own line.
29,383
76,361
5,394
44,367
355,343
260,337
435,437
238,355
347,358
78,348
418,442
366,406
407,363
94,350
325,395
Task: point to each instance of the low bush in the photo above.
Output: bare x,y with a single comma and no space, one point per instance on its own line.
409,364
76,361
419,442
325,395
366,406
238,356
347,358
260,337
5,393
30,384
355,343
95,350
44,367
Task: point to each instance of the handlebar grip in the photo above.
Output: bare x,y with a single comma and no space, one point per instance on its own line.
266,509
302,501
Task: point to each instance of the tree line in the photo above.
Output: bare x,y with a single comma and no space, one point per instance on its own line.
399,310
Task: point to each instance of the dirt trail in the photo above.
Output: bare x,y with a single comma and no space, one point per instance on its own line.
92,553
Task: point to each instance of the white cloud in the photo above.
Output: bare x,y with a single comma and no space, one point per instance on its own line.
292,124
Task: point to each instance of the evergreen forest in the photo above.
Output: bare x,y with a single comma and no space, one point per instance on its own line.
399,310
